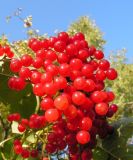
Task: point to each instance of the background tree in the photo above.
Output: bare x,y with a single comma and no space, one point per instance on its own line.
92,33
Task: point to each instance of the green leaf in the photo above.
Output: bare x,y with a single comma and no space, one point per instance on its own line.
100,154
6,149
23,102
119,144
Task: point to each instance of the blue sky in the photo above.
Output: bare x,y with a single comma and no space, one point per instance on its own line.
114,17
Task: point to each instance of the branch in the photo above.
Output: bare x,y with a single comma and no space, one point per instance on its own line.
7,75
38,104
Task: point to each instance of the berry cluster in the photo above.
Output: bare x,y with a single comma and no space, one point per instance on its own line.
25,153
5,50
68,75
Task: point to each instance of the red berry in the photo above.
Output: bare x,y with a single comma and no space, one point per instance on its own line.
63,58
111,96
15,65
25,73
26,60
46,77
98,54
59,46
78,98
34,153
61,102
83,137
63,36
60,82
16,142
37,62
25,153
64,70
87,70
51,55
86,123
50,88
71,50
114,107
47,103
79,36
83,54
41,54
45,44
52,41
79,83
51,115
53,69
104,64
18,149
100,75
91,50
35,77
89,85
101,108
98,96
71,112
38,89
21,128
76,64
111,74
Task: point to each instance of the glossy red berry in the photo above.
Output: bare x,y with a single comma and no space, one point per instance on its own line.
15,65
86,123
63,36
104,64
101,108
98,54
59,46
51,115
114,107
78,98
111,74
26,60
18,149
34,153
25,153
76,64
83,137
21,128
61,102
47,103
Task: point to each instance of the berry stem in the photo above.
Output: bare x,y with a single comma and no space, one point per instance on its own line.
3,156
38,104
7,75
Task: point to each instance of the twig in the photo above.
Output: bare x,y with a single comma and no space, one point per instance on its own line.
38,104
7,75
1,143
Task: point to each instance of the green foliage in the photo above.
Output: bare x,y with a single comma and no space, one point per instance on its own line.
23,102
92,33
123,85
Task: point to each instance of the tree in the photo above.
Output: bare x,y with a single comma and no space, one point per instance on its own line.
92,33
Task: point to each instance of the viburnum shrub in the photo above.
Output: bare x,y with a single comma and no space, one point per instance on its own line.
67,76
